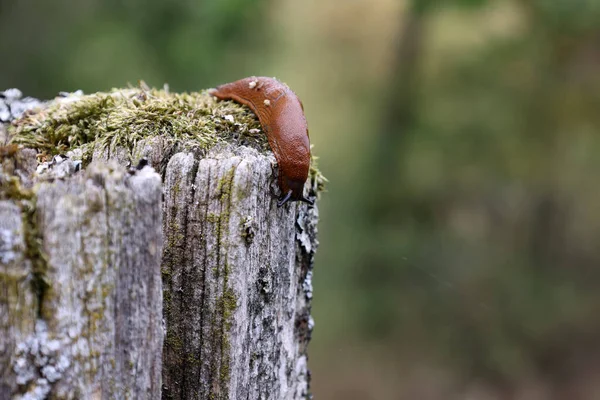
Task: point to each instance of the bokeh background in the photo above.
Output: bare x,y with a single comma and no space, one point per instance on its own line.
460,234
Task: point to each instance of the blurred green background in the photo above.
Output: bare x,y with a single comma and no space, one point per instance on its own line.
460,235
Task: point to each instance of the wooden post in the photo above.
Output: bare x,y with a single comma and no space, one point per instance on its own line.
80,298
81,309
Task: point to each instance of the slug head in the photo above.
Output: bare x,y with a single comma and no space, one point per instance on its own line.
292,190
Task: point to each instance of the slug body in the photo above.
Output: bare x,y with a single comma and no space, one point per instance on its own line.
281,116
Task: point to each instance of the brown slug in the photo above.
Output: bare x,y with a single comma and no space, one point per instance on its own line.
281,116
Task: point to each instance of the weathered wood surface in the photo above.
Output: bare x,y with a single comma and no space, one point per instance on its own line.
84,321
236,273
236,280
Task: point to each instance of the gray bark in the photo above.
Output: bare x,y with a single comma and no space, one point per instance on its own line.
84,320
236,279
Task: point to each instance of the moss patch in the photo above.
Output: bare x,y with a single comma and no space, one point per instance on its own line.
35,253
316,177
226,303
11,189
121,118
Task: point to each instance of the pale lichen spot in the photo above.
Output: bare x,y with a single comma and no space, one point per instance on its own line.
252,84
267,102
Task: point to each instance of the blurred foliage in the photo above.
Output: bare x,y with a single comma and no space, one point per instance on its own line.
90,44
477,220
459,238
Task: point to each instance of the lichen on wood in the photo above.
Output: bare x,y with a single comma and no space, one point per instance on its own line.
69,263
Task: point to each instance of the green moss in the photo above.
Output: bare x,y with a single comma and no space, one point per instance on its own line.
226,306
224,373
34,252
225,183
173,236
229,305
165,273
315,176
176,189
193,360
11,189
226,303
173,341
123,117
166,297
213,218
224,190
11,160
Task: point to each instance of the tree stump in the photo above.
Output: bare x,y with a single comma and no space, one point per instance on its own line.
84,256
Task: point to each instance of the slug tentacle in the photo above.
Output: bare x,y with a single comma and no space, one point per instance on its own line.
281,115
284,199
308,201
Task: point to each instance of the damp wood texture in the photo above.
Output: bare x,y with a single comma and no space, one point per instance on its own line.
181,279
